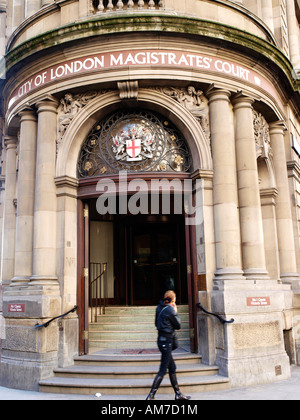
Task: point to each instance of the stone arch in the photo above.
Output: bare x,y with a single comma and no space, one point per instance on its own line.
102,105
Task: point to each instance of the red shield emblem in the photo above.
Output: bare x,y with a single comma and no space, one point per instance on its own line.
133,148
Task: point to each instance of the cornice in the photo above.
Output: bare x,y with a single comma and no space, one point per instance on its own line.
123,22
220,34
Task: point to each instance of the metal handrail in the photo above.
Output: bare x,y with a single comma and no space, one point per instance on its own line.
97,296
53,319
224,321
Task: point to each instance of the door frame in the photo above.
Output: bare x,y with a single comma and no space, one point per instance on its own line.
86,191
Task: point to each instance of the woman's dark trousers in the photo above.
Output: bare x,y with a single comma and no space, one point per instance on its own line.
166,364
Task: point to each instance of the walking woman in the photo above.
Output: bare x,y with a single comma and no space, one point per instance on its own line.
167,321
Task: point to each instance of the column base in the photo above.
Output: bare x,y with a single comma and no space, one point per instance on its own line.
249,371
20,281
292,279
229,274
251,350
24,370
256,274
29,353
43,281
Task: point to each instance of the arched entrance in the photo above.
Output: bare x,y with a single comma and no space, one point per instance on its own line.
143,238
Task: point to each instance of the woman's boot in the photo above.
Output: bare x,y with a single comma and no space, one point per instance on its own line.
178,394
155,386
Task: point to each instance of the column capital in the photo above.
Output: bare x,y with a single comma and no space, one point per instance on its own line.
10,142
27,114
277,127
217,94
47,103
240,100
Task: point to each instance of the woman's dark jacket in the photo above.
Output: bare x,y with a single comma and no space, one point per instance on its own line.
166,320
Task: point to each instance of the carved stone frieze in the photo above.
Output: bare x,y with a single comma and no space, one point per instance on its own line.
70,105
262,136
194,101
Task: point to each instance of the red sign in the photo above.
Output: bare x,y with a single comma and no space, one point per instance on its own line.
16,307
258,301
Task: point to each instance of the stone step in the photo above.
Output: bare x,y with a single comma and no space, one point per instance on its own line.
134,314
132,318
141,386
126,359
135,334
95,345
131,357
118,326
129,372
131,327
140,309
132,372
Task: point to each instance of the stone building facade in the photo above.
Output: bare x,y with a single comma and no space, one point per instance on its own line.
135,92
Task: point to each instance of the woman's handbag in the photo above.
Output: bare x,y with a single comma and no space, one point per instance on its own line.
175,344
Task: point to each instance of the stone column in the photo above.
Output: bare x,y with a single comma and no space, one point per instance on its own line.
268,207
2,30
286,242
267,13
293,32
17,13
45,236
25,197
226,219
9,222
253,251
31,7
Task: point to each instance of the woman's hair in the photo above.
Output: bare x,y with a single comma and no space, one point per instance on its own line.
169,296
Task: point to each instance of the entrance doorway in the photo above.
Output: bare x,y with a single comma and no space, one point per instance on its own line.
149,251
154,261
145,256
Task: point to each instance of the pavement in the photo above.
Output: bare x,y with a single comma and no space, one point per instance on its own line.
282,390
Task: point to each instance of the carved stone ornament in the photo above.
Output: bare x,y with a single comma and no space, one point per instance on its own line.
133,141
70,106
262,136
194,101
128,90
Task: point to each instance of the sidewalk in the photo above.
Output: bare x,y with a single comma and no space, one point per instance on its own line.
283,390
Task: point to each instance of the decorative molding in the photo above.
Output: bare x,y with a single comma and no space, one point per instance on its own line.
129,89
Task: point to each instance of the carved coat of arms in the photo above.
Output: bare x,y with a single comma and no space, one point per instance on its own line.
133,143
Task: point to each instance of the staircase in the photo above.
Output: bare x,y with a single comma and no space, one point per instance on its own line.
124,359
132,327
131,374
